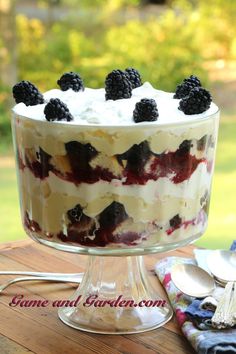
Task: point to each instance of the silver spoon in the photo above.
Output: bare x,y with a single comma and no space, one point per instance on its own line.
222,264
66,279
192,280
220,282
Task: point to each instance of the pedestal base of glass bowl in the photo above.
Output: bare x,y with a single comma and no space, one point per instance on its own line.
135,305
118,278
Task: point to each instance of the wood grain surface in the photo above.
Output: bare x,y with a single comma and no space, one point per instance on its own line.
39,330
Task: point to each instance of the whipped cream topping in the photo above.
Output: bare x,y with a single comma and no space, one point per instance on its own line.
89,107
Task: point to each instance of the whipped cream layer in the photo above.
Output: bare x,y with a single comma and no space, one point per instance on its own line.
89,107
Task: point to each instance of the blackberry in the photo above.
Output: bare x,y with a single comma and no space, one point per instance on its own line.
71,80
134,77
74,215
55,109
113,215
145,110
41,165
117,85
175,222
82,153
194,80
184,147
198,101
183,89
79,156
26,92
44,158
137,156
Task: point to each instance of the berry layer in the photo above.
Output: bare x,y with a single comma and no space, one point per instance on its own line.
48,201
120,231
84,164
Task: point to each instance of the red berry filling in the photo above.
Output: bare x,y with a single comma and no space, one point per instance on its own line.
138,165
31,224
83,230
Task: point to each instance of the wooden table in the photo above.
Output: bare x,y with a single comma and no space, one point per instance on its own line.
39,330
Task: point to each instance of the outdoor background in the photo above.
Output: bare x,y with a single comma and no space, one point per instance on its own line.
165,40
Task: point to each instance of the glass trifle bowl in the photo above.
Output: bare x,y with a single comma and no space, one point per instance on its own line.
114,190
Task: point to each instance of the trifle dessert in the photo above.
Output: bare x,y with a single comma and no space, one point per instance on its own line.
127,166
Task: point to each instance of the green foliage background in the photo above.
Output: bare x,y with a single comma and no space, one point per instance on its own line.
99,36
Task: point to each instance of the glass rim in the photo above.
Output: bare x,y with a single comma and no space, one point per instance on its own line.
130,126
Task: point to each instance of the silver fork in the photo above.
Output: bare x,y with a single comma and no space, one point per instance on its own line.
76,278
38,274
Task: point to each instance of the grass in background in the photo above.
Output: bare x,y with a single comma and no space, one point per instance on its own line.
10,223
222,218
222,221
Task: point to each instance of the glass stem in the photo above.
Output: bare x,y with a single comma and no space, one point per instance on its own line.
116,296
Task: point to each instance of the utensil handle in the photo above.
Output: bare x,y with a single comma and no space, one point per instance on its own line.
38,274
74,279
